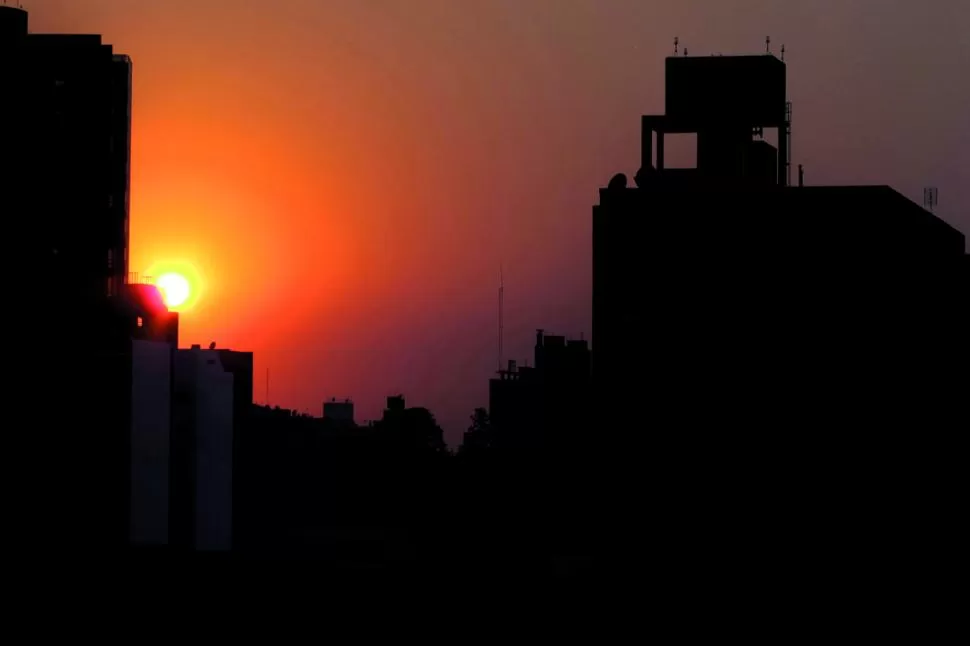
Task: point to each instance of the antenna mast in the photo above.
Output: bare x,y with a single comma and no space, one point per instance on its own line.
501,316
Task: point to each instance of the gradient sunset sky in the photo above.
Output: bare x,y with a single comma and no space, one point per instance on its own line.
347,176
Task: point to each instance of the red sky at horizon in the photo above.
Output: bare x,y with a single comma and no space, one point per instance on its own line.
348,176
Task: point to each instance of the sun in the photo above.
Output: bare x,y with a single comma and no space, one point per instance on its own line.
175,289
180,283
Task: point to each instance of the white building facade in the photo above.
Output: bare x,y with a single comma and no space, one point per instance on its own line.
204,424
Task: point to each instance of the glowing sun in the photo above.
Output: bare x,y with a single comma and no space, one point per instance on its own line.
175,289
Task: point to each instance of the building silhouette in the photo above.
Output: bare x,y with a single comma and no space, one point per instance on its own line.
189,431
240,366
67,126
543,407
394,407
96,337
340,413
775,353
779,371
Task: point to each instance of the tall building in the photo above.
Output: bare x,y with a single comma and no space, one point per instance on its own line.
67,147
766,350
65,121
696,271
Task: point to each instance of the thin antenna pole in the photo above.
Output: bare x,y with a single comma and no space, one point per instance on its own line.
501,316
267,386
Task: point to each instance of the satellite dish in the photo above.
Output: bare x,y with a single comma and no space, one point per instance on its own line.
641,177
618,182
212,346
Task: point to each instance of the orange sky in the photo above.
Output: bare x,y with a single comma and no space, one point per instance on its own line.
347,176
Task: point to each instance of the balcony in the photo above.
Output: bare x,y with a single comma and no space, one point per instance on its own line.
135,278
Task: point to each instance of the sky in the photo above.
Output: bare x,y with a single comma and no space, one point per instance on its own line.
346,179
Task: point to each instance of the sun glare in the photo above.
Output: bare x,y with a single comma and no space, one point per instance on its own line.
175,289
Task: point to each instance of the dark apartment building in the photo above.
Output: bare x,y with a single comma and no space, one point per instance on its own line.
64,194
67,136
770,349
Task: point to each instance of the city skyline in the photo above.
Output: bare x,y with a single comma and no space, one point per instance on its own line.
361,113
769,391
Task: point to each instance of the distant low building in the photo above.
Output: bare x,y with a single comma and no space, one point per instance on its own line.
340,413
395,406
542,407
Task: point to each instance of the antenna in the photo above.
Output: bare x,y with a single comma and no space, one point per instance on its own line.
767,44
931,198
782,53
501,315
676,45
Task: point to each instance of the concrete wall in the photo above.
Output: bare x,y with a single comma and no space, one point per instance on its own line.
201,373
150,432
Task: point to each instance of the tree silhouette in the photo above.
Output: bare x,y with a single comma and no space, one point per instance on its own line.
478,437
